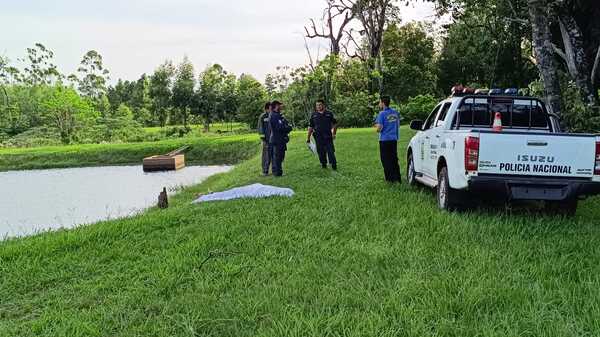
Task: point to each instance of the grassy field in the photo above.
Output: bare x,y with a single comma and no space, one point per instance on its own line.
348,255
203,150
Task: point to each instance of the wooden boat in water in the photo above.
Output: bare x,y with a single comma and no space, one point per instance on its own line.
171,161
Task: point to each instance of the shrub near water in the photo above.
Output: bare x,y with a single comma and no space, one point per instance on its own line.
203,151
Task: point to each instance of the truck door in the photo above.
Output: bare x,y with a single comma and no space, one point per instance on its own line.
436,139
425,143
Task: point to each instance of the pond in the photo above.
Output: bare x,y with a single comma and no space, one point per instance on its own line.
39,200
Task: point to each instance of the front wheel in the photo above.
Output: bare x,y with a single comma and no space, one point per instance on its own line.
410,171
447,197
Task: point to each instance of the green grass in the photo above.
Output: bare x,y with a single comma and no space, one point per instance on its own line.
199,128
203,150
348,255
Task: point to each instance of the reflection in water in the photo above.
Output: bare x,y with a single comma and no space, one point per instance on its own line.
33,201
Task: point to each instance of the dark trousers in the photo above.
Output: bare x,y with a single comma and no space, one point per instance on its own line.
278,158
267,154
388,151
326,149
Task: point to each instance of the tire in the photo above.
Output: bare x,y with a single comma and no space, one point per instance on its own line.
448,199
567,208
410,171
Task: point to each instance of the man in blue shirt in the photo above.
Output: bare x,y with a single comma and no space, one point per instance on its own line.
387,124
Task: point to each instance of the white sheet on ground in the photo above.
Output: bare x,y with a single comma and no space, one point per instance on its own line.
250,191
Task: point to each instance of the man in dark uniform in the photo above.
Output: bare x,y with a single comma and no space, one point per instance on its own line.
323,127
265,132
279,138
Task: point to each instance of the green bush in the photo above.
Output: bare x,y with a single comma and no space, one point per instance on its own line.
418,107
38,136
356,110
576,116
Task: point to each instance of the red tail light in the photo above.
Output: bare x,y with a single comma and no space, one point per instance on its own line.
597,163
471,153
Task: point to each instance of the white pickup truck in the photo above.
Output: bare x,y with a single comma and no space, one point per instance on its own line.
457,151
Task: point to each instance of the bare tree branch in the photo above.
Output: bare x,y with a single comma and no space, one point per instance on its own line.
560,53
334,31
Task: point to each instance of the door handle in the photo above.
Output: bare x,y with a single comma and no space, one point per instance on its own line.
536,143
437,136
427,137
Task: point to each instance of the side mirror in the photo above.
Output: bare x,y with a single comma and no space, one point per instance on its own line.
416,125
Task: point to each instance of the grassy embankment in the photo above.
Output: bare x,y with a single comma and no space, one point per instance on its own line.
205,150
348,255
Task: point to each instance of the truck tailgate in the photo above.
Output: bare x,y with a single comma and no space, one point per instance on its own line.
536,154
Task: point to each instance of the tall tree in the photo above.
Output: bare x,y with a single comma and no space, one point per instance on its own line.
542,43
251,97
160,91
208,97
336,17
578,65
183,89
91,76
374,15
39,68
408,53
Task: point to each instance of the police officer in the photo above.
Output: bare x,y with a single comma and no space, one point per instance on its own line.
387,124
323,127
279,138
265,132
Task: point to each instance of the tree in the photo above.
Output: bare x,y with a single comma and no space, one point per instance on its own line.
496,53
183,90
578,64
251,97
408,53
92,77
336,16
67,112
228,102
208,97
40,69
374,15
160,91
542,42
8,73
141,101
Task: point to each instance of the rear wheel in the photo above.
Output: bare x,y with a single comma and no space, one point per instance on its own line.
448,198
565,208
410,171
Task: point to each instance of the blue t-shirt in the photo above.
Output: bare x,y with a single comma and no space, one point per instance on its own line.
390,120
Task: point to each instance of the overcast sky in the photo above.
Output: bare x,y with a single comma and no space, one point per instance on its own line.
134,36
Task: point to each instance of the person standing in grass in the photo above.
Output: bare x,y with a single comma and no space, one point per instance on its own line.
388,124
265,132
279,138
323,126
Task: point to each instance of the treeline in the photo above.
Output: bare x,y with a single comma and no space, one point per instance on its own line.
39,104
486,44
550,47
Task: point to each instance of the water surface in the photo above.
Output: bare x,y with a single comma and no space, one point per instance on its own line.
38,200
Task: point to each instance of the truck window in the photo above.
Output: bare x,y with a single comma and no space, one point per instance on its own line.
429,121
442,115
516,113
